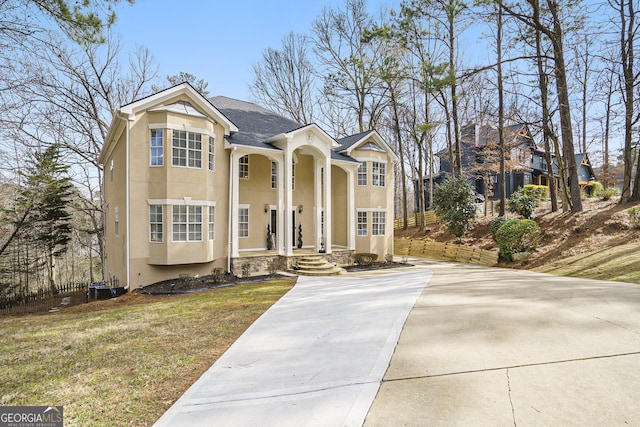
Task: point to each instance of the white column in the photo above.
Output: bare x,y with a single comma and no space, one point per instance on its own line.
351,209
280,206
317,194
288,201
234,202
327,203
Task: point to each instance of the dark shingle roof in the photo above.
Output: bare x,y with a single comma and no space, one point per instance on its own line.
255,124
348,141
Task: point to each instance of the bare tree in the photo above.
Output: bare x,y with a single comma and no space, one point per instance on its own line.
549,21
66,95
348,64
284,82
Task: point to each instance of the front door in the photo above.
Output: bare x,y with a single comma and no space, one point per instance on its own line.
273,225
293,224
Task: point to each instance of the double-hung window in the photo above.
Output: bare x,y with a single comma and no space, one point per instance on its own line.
187,149
362,223
362,173
378,222
187,223
212,154
156,147
243,222
212,222
243,167
155,224
378,174
274,175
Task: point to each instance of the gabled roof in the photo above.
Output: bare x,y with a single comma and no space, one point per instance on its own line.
256,124
362,139
480,135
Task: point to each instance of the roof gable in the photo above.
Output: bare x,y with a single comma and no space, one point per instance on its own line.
202,105
365,140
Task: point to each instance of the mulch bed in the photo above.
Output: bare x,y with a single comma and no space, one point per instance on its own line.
375,266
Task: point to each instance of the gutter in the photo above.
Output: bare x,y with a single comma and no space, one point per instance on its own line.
231,189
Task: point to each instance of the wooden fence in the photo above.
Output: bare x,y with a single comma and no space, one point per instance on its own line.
445,251
43,301
414,219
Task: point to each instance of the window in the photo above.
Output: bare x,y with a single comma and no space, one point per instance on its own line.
274,175
155,223
212,154
378,174
378,223
362,173
111,170
293,176
187,223
212,222
187,149
116,224
156,148
243,222
243,167
362,223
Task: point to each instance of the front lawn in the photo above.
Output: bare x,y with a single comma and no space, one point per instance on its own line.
125,361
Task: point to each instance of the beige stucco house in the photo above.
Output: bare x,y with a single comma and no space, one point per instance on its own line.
192,184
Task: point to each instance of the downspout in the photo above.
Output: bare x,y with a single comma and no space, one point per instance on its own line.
230,243
127,203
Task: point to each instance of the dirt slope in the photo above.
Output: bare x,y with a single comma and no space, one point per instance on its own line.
602,225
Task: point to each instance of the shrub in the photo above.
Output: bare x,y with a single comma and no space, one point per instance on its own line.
454,202
607,193
634,216
593,189
365,258
495,224
517,235
522,203
536,192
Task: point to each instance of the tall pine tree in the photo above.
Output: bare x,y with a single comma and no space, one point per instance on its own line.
46,197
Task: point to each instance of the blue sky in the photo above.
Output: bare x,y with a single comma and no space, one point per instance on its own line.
218,41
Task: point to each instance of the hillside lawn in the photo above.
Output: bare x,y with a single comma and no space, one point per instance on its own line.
125,361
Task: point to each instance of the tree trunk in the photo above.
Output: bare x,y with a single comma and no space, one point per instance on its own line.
546,130
396,126
503,170
565,109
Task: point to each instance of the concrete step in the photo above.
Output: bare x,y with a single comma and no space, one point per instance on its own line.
316,266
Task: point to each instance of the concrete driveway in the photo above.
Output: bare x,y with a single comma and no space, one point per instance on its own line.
316,358
500,347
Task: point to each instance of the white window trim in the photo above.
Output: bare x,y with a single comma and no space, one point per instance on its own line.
366,174
211,230
173,126
211,153
274,175
240,164
187,223
247,207
187,150
151,147
378,175
161,223
384,228
366,224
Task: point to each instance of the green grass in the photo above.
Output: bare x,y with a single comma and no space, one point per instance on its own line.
128,361
620,264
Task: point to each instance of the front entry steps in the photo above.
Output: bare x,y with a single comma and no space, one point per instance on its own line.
316,266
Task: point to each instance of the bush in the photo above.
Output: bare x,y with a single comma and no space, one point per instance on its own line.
495,224
454,202
517,235
536,192
593,189
365,258
634,216
607,193
522,203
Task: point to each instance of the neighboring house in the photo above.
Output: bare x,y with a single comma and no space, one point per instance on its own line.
192,184
525,164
